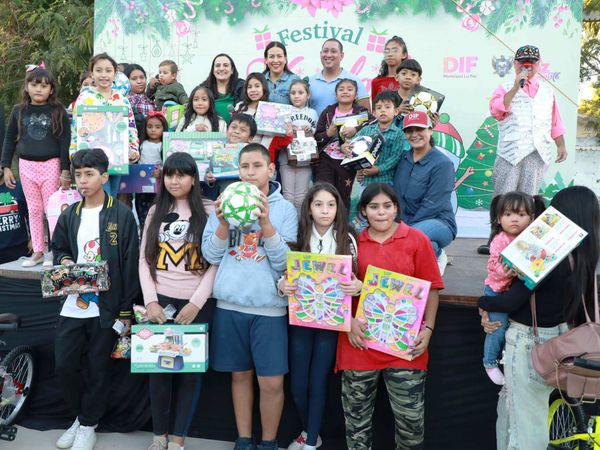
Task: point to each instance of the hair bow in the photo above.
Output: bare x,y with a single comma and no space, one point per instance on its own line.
156,114
30,67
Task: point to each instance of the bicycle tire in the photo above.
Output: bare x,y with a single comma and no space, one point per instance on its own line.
19,363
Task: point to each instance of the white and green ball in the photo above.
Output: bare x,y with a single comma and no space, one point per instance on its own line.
240,203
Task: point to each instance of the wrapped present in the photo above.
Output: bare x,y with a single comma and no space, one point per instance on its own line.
140,180
271,118
169,348
75,279
173,113
392,306
319,301
225,161
57,203
365,151
105,127
303,150
425,99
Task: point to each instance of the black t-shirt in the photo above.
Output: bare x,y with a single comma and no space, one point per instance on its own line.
13,211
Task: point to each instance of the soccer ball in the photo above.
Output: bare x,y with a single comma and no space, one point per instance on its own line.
122,84
240,203
424,101
360,145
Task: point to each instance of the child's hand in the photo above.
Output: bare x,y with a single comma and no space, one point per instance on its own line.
201,127
127,329
65,179
155,313
156,171
289,129
210,178
288,289
352,287
356,335
187,314
371,171
134,156
9,178
348,132
360,176
405,107
346,149
508,271
263,216
308,132
421,343
219,213
67,262
153,82
331,130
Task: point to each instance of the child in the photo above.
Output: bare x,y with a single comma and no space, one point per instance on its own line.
323,229
14,236
250,322
140,103
172,271
96,228
255,90
390,244
103,69
330,138
165,87
200,113
150,153
395,52
295,179
514,211
38,131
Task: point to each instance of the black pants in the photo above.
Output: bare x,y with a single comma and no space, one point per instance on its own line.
13,253
82,358
330,170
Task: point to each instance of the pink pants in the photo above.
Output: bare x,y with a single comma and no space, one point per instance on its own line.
40,179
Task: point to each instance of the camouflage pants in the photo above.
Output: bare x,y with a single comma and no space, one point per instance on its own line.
406,391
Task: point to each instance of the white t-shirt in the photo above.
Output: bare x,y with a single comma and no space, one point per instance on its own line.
151,153
302,117
84,306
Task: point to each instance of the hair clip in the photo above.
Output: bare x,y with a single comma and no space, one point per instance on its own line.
32,67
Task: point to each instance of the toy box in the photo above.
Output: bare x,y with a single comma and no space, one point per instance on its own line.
393,306
173,113
225,161
169,348
319,301
542,246
271,118
140,180
75,279
425,99
200,145
303,150
57,203
365,151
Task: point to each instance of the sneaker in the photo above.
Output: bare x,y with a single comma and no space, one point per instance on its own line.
267,445
32,262
483,249
85,438
244,443
442,261
158,443
300,442
68,437
174,446
495,375
48,260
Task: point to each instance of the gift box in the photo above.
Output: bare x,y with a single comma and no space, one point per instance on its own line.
225,161
271,118
173,113
201,145
169,348
542,246
425,99
57,203
140,180
365,151
392,306
303,150
75,279
105,127
354,120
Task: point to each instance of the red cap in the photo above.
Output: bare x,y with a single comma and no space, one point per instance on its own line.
418,119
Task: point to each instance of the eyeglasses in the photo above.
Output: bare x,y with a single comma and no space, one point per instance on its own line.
392,51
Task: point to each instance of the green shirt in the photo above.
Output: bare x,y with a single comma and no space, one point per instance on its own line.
222,105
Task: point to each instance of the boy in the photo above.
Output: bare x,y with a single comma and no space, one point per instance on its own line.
408,75
97,228
250,323
14,237
166,87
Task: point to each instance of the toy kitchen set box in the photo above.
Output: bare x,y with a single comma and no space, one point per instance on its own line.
169,348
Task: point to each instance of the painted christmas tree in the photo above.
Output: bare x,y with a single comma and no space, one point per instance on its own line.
477,191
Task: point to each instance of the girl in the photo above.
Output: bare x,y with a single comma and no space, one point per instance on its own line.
150,153
330,138
523,401
200,113
185,282
323,229
394,53
225,84
388,243
38,131
514,211
279,76
103,69
140,103
255,90
295,179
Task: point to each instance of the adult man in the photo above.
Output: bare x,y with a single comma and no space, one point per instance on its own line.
322,84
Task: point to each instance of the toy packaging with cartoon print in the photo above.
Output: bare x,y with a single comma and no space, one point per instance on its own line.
392,305
169,348
319,301
542,246
225,161
200,145
272,117
75,279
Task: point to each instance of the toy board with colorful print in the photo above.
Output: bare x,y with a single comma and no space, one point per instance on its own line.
272,117
140,180
105,127
200,145
392,306
542,246
319,301
225,161
75,279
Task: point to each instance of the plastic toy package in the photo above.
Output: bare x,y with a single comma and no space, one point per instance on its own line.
75,279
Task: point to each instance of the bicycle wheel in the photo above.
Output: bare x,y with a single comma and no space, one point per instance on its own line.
16,375
565,421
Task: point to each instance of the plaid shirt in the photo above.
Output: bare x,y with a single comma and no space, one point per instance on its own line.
395,144
141,103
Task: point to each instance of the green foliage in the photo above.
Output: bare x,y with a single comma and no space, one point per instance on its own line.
58,32
591,109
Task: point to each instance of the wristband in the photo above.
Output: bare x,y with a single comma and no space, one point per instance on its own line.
429,328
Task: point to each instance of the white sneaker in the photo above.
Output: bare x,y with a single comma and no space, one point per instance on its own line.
158,443
68,437
300,441
85,438
442,261
48,262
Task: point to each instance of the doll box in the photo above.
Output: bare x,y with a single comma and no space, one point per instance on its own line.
57,203
542,246
272,117
169,348
392,305
139,180
319,301
75,279
370,150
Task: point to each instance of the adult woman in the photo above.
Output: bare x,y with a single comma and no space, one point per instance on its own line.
424,182
279,76
225,85
393,54
393,245
523,401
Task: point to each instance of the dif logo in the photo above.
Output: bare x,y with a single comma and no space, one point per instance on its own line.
460,66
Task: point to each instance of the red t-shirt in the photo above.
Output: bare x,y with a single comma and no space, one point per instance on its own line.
380,84
408,251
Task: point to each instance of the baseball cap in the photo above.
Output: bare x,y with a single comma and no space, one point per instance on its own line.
418,119
527,53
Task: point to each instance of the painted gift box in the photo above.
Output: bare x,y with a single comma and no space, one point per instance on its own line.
271,118
105,127
542,246
365,151
392,305
139,180
225,161
319,301
75,279
169,348
200,145
57,203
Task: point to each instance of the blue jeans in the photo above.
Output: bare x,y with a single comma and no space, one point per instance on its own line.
438,233
111,187
312,353
494,342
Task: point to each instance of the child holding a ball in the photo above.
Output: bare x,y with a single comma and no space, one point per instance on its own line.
250,322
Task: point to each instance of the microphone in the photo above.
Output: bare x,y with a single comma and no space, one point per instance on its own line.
525,70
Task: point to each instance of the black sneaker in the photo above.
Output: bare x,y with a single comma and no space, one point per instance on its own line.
244,443
483,249
267,445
